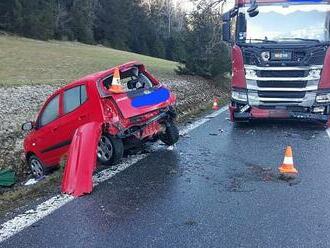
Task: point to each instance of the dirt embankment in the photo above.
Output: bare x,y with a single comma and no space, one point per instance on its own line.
21,104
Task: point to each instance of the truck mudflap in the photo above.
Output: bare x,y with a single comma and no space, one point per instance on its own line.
257,113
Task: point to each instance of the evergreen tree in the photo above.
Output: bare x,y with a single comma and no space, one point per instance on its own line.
35,18
112,23
205,54
82,21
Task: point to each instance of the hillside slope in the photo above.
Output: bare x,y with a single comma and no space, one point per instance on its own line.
26,61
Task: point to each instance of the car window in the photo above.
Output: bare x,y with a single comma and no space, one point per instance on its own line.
73,98
83,94
130,80
50,112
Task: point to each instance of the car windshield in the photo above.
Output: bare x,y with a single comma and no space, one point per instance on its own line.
285,23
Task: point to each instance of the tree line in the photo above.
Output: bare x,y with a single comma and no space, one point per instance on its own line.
159,28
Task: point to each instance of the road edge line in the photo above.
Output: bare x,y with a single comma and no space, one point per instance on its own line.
28,218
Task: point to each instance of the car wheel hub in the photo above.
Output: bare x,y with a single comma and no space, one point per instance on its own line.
104,149
36,168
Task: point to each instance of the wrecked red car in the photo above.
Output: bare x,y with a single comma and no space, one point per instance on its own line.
131,104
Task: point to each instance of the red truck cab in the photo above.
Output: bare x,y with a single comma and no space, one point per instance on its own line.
143,112
280,59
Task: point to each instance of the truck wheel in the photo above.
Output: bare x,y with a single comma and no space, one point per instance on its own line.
37,167
110,150
171,135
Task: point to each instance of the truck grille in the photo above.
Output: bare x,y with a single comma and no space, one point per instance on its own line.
278,86
288,73
282,84
281,94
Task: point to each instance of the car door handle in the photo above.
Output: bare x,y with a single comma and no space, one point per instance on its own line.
55,129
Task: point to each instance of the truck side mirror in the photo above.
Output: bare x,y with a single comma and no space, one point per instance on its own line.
253,10
226,32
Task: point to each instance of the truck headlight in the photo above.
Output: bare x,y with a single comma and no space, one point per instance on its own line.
316,73
239,96
250,73
324,98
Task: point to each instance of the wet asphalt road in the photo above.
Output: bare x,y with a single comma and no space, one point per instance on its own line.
215,189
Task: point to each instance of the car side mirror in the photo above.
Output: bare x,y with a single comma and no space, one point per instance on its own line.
233,12
226,32
28,126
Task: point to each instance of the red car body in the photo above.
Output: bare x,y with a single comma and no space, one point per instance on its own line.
50,141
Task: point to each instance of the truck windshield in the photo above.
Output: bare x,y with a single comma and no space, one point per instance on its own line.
298,23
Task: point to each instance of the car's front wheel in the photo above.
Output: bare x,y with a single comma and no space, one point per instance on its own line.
37,167
110,150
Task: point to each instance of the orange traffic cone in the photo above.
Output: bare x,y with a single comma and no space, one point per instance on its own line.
116,87
288,167
215,103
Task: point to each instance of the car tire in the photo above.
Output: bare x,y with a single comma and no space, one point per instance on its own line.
37,167
110,150
171,134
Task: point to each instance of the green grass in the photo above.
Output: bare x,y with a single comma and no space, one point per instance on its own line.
26,61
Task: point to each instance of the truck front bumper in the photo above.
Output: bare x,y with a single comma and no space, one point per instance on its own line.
255,113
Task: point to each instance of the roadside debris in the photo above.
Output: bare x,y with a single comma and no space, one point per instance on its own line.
7,178
287,169
251,131
220,131
185,136
170,148
33,181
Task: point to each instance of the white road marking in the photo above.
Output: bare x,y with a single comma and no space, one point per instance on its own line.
22,221
328,132
198,123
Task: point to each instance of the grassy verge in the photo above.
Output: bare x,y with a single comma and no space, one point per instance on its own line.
26,61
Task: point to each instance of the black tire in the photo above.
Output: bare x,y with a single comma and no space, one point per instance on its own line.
171,135
117,150
37,168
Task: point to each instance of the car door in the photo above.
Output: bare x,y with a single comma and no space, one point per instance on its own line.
75,111
46,138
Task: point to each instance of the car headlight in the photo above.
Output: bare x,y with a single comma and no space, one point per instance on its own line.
239,96
250,73
324,98
316,73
